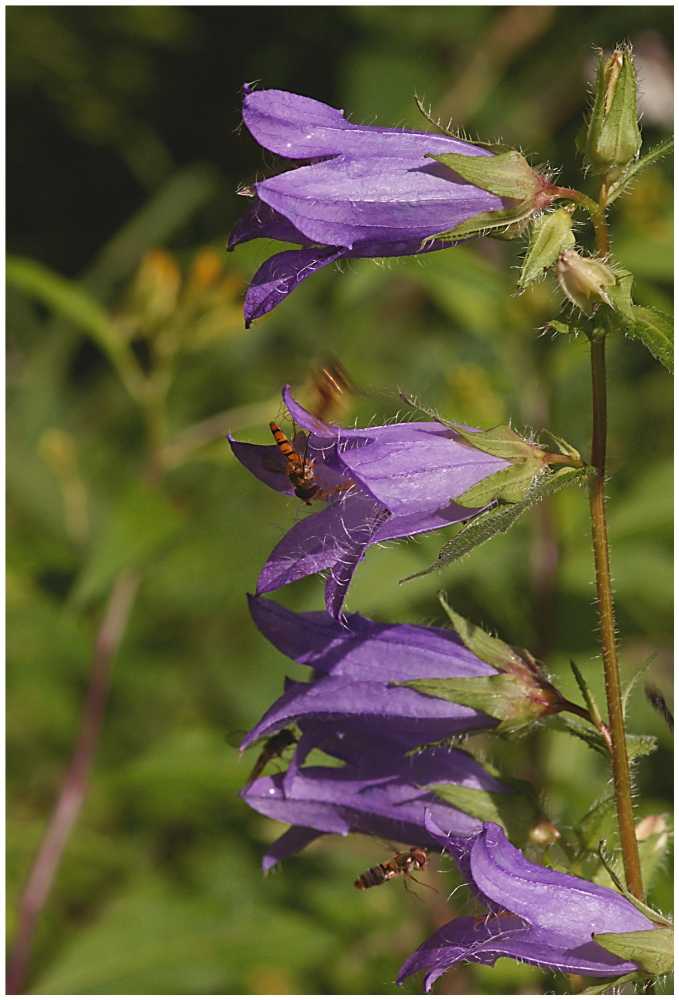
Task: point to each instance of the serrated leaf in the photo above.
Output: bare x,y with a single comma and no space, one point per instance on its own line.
143,521
550,235
600,823
640,746
487,647
500,519
652,949
655,329
653,155
516,814
587,734
559,327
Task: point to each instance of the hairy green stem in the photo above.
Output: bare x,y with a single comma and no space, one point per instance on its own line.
620,761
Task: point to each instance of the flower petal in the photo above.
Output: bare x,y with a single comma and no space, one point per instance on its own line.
259,221
302,129
345,200
334,538
292,842
282,273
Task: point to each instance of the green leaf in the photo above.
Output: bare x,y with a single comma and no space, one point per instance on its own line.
653,949
653,155
507,175
640,746
500,519
587,734
559,327
72,301
620,294
638,674
551,234
588,696
515,813
600,823
143,521
487,647
655,329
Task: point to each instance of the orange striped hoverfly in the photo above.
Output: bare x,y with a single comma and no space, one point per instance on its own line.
300,470
330,386
401,864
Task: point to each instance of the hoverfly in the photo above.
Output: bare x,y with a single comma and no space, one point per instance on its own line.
300,470
275,746
401,864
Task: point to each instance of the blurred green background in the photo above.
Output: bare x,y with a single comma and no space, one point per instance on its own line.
123,139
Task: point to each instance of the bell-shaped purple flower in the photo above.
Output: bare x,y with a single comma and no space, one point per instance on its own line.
380,790
354,667
536,915
367,192
404,477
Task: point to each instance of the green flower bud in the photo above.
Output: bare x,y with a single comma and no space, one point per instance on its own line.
584,280
611,138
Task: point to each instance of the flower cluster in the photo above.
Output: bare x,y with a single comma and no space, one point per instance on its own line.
384,701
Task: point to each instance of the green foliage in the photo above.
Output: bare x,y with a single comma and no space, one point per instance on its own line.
160,888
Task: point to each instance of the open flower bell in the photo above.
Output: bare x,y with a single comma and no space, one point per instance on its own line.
359,191
355,666
380,790
404,477
536,915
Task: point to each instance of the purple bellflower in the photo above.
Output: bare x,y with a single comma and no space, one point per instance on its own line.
354,666
404,477
359,191
379,790
535,915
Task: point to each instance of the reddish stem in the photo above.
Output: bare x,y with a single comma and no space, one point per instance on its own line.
70,801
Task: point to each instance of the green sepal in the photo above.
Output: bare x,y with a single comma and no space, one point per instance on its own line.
488,648
493,147
501,696
551,234
620,294
565,448
508,175
653,155
507,220
655,329
497,521
653,950
517,814
510,484
608,985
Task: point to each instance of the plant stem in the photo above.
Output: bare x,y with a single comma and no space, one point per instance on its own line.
70,801
620,761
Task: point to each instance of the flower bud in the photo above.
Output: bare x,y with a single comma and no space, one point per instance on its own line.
611,137
584,280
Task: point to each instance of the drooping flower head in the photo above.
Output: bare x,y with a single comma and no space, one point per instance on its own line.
356,191
356,668
380,791
404,476
536,915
